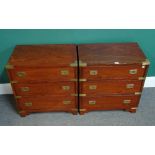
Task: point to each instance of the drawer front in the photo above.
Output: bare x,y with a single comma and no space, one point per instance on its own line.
111,87
55,88
42,74
112,72
108,102
47,102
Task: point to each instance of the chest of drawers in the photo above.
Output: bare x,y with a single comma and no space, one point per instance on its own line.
43,78
114,76
77,78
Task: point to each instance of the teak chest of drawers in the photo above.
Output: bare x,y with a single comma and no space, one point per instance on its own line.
77,78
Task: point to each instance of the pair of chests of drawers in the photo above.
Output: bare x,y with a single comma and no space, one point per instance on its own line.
45,88
110,87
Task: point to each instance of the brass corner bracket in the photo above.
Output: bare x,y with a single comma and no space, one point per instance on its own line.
146,62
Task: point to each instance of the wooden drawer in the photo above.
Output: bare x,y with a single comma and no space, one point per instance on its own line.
54,88
108,102
110,87
46,102
113,72
42,74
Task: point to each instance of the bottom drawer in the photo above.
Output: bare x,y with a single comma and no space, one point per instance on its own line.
46,102
108,102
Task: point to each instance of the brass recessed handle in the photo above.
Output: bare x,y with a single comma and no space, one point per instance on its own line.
93,72
66,102
65,87
92,87
20,74
126,101
92,102
129,86
64,72
28,104
133,71
25,89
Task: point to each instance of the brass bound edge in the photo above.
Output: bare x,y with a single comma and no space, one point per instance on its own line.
82,95
146,62
141,78
138,93
82,109
9,66
81,64
80,80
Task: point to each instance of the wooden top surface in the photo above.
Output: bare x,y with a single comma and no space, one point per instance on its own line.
43,55
111,53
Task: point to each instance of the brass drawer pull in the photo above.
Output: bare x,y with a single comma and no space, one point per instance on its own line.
20,74
93,72
66,102
126,101
129,86
64,72
65,87
92,87
92,102
25,89
28,104
133,71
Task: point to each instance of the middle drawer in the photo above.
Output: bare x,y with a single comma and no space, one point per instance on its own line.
54,88
110,87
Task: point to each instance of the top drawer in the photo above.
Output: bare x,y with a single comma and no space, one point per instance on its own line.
42,74
113,72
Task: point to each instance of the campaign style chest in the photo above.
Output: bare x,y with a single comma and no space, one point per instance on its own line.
77,78
114,76
43,78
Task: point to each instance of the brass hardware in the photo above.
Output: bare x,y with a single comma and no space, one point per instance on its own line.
66,102
65,87
9,66
82,109
81,95
126,101
133,71
82,64
24,89
138,93
92,87
13,82
146,62
17,97
128,86
74,64
64,72
20,74
93,72
134,108
141,78
92,102
143,66
28,104
80,80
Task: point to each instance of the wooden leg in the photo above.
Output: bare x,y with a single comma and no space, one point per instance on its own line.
23,113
